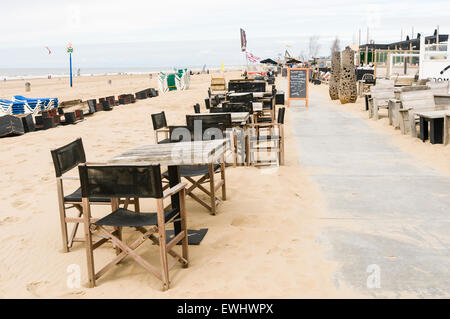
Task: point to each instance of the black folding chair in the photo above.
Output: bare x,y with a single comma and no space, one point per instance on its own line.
138,182
213,126
160,126
65,159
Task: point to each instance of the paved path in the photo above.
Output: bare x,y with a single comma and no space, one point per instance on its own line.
384,208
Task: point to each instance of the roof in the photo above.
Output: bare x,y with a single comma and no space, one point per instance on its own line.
406,44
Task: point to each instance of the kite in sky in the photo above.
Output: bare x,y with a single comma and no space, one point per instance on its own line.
49,52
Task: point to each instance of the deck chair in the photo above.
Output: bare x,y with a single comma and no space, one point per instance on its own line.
6,107
160,126
138,182
15,107
66,158
273,141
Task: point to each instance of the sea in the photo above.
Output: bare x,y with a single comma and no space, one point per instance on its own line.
7,74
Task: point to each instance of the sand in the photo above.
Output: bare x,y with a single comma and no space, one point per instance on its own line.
262,242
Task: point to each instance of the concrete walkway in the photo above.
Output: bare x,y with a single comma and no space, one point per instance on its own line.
387,221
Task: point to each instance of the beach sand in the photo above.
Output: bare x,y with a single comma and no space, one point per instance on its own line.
262,242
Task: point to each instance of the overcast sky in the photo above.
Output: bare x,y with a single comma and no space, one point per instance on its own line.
144,33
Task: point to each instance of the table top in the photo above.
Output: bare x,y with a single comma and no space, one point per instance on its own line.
172,154
255,94
236,117
434,114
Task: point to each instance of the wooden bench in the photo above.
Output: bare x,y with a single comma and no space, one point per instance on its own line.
379,97
395,104
413,102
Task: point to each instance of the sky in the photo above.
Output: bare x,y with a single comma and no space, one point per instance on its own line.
144,33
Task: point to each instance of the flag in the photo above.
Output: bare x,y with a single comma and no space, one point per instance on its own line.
243,41
251,57
223,66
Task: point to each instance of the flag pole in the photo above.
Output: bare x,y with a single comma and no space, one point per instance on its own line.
70,58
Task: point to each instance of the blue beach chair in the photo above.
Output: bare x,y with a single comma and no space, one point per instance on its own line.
36,105
14,107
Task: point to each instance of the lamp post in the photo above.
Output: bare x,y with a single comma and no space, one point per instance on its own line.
70,50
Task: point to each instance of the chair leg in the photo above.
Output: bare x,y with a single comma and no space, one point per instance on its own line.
88,242
162,244
137,206
222,175
185,241
212,189
62,216
75,227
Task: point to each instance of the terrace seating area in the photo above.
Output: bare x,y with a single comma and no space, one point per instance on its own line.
418,110
186,161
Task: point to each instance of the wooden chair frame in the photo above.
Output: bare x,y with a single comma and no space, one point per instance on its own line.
64,205
124,250
68,240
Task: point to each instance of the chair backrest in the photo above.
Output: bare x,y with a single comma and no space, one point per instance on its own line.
237,107
385,83
121,181
441,87
241,97
213,125
159,120
280,119
418,99
210,120
216,110
367,76
68,156
92,104
197,108
207,103
218,84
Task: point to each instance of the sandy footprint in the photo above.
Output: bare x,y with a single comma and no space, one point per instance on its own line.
36,287
19,203
9,220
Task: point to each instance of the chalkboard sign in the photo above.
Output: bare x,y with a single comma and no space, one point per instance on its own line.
298,84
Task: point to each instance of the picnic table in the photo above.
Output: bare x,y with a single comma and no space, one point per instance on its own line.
173,155
436,120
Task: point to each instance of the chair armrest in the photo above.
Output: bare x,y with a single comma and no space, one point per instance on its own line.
74,178
162,130
96,163
173,190
404,110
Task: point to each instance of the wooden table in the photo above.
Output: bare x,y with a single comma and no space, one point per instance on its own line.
173,155
436,120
